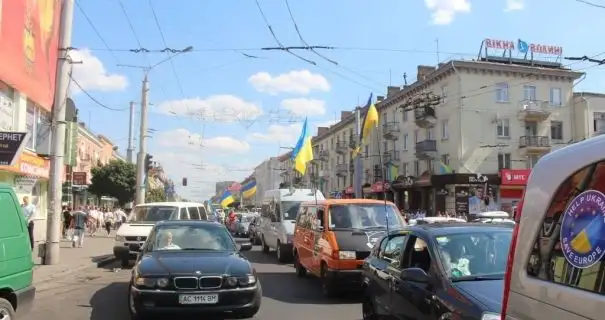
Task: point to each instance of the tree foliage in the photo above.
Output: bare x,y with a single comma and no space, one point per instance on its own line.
115,179
155,195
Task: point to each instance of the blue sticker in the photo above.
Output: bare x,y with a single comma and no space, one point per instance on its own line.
583,229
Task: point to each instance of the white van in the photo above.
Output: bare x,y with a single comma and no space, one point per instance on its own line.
278,218
132,234
556,269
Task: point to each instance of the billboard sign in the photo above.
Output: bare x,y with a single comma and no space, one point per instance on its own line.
29,36
523,47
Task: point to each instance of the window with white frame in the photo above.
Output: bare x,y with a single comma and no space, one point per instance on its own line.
556,99
405,141
445,129
556,130
429,134
405,116
416,168
444,94
529,93
504,161
503,128
445,159
502,92
30,124
416,136
598,124
7,107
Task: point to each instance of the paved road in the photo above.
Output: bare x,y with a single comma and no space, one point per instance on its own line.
100,294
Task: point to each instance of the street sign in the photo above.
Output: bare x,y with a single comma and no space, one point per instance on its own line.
11,146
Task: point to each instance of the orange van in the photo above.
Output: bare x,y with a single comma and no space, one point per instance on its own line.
333,237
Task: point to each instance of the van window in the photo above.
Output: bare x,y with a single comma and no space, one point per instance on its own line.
152,213
203,213
302,220
11,225
288,209
570,246
194,214
183,214
264,211
360,216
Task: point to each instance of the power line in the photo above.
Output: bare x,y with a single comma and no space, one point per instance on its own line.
592,4
132,29
95,100
96,31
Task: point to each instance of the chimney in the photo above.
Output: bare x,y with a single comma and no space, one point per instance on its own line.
322,130
423,72
82,124
379,98
345,114
392,90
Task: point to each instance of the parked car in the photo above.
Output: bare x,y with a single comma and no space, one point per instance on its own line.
196,268
437,271
243,225
254,230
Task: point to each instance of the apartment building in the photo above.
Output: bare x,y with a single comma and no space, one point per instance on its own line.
268,177
589,115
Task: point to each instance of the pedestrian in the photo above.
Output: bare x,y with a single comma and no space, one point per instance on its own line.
29,212
66,220
78,223
108,218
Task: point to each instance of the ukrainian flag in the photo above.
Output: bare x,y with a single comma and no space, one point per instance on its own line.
444,168
303,152
588,237
370,121
226,199
249,189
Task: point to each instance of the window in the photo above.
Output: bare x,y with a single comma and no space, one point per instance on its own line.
556,130
30,124
504,161
416,168
367,151
503,128
153,213
429,134
391,249
416,136
555,97
502,92
405,141
37,122
183,214
445,158
445,129
417,255
405,116
529,93
7,107
405,169
550,258
203,213
194,213
444,94
598,124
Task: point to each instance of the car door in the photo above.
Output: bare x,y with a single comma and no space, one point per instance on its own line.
379,278
410,299
275,223
316,236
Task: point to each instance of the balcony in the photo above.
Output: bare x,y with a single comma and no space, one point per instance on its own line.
534,145
342,170
390,131
342,147
324,174
351,166
426,149
533,110
377,173
391,156
425,117
353,141
322,155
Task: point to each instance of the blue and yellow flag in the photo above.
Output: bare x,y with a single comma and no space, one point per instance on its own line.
370,121
303,152
249,189
444,168
226,199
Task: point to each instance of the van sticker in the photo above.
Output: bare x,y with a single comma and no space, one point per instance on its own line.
373,237
583,229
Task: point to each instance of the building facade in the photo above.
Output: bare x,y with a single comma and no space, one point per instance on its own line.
267,177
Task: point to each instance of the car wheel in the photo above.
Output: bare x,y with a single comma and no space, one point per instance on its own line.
6,310
246,314
300,270
327,285
368,310
125,263
266,248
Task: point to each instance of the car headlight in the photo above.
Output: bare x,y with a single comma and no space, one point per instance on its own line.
346,255
491,316
231,281
247,280
120,238
151,282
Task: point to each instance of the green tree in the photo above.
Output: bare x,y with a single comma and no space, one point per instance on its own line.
155,195
115,179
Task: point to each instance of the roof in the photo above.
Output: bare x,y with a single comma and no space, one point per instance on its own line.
349,201
438,229
176,204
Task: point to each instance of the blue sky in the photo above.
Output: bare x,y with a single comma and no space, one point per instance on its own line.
226,112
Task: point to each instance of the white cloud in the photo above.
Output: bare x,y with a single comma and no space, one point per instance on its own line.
304,106
444,11
301,82
91,74
514,5
227,108
282,134
184,139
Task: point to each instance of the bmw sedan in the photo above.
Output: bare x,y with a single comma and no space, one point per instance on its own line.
193,267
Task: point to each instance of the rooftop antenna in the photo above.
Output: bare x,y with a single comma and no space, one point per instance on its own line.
405,79
437,45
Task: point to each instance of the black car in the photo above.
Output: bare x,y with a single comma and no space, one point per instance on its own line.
437,271
193,267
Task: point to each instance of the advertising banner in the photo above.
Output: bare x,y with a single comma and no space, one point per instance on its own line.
11,146
29,39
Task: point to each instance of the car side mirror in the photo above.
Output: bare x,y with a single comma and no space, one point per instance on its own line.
414,275
245,246
320,228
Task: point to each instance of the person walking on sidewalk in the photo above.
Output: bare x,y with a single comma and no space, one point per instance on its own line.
108,218
29,211
78,224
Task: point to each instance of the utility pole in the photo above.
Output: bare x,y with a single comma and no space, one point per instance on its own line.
130,150
53,222
358,164
140,188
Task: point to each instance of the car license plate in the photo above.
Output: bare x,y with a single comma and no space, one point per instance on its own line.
198,298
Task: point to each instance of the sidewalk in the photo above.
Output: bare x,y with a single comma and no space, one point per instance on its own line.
97,250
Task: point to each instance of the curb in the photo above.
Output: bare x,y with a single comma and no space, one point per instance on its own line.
100,262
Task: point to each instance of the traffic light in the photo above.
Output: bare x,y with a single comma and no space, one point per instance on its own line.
148,163
185,182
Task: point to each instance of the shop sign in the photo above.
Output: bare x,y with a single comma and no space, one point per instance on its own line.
34,166
11,146
25,184
79,178
515,177
479,178
523,47
461,195
380,187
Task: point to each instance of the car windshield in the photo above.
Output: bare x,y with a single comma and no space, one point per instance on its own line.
475,254
364,216
152,213
206,237
246,219
289,209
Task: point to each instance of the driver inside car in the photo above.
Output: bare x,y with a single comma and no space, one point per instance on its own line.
340,218
458,264
167,243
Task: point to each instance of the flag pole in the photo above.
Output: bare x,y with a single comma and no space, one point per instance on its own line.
384,172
